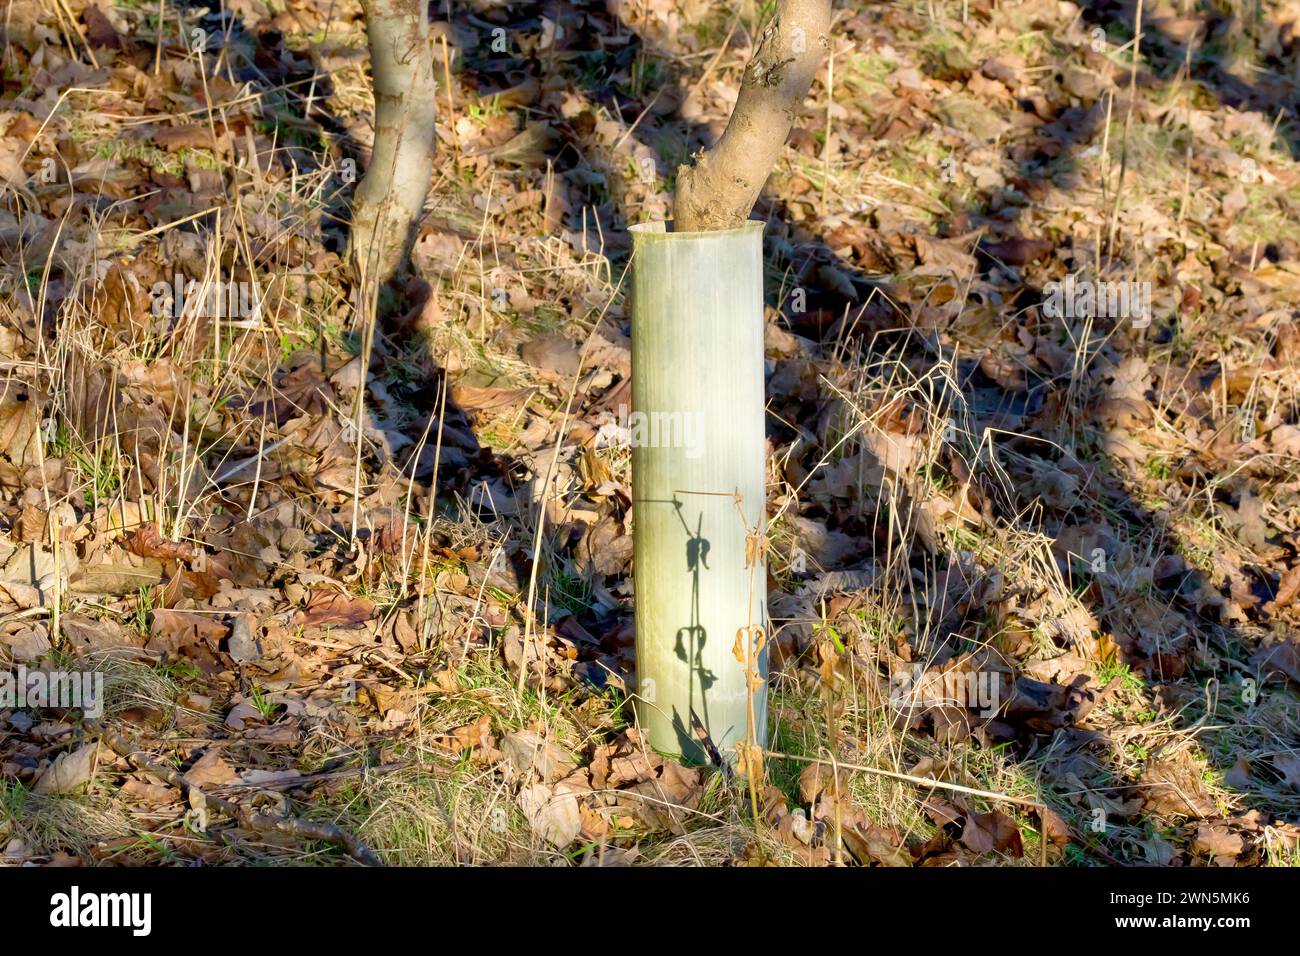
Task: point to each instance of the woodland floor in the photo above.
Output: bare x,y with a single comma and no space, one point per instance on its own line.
290,620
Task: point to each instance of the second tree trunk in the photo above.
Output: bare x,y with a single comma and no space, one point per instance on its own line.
390,199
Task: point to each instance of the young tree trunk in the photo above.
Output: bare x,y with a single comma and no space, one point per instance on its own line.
719,190
390,199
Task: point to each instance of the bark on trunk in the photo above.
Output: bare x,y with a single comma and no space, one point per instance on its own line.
391,196
719,190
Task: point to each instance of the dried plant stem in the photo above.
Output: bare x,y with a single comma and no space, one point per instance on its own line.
1128,126
162,22
530,614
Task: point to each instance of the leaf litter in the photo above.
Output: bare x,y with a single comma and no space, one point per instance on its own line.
313,625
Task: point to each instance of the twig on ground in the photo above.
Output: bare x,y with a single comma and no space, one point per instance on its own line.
246,816
909,778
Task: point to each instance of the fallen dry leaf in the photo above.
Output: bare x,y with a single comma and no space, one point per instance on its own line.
332,608
210,770
555,818
992,832
528,754
69,771
1217,840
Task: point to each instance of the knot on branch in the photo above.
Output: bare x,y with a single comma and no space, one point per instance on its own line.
767,68
768,75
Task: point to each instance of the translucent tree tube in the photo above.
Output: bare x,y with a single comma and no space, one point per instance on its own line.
697,432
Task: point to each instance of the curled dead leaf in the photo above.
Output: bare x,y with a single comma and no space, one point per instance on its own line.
326,607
